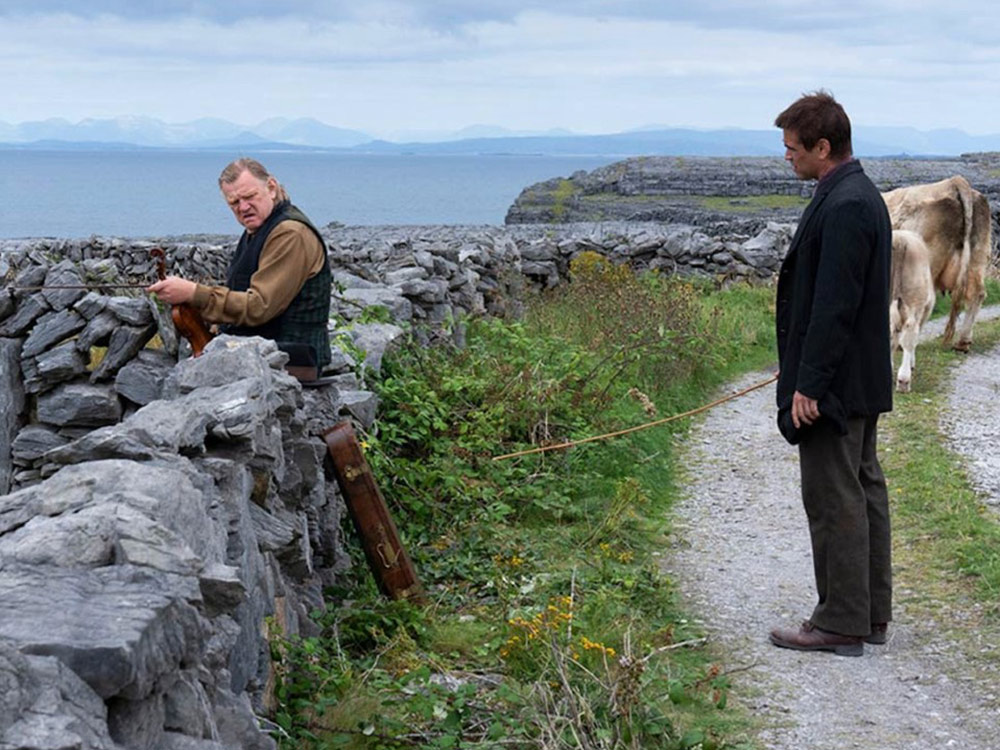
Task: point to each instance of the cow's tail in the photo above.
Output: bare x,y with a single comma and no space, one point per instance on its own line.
963,191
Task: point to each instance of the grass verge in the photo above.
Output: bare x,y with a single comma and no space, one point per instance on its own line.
550,623
947,543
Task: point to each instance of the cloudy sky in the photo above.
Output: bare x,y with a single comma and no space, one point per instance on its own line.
590,66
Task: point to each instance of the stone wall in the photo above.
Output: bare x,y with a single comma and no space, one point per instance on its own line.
151,543
165,513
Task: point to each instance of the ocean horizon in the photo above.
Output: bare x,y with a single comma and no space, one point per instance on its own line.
78,194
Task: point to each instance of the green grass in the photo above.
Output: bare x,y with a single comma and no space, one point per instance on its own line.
563,193
547,605
946,542
941,521
751,203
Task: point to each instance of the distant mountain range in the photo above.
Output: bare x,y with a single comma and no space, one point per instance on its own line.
310,134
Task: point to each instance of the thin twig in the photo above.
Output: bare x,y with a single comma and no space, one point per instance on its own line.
674,646
645,426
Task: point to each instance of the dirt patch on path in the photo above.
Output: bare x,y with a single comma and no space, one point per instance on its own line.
743,564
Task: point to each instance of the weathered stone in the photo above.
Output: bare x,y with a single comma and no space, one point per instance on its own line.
374,339
33,441
225,360
124,345
50,329
411,273
60,364
98,330
130,310
767,248
79,405
11,405
117,627
60,275
221,587
29,310
6,304
137,723
141,380
45,706
91,304
362,405
399,307
432,290
31,275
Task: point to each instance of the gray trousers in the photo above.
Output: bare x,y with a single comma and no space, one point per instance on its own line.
847,504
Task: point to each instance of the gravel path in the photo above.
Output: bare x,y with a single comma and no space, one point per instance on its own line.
743,564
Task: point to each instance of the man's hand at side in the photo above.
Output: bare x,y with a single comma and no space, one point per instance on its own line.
805,410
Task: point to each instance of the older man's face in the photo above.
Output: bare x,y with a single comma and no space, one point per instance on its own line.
251,199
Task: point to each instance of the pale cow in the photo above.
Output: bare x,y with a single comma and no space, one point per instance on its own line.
953,219
912,299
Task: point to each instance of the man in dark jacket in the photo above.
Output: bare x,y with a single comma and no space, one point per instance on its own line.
279,281
835,378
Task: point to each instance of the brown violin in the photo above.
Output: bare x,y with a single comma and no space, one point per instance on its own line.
187,320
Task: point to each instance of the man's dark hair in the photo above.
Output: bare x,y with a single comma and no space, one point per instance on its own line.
818,115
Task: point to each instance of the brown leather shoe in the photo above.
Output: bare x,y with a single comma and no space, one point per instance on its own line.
879,634
811,638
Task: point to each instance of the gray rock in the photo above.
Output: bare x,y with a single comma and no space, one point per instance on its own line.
29,310
399,307
98,331
117,627
7,305
130,310
413,273
62,274
225,359
347,280
60,364
32,275
11,405
375,339
362,405
79,405
50,329
141,380
432,290
45,706
124,345
768,248
91,304
33,441
222,588
137,723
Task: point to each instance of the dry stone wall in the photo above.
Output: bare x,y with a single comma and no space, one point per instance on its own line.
160,513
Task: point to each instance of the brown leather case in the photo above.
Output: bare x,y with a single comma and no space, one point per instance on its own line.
386,556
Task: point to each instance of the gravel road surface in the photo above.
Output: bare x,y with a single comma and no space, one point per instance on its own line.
743,564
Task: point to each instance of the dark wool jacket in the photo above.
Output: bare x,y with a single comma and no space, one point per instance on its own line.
305,319
832,315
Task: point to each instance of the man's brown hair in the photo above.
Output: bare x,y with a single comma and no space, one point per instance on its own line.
818,115
245,164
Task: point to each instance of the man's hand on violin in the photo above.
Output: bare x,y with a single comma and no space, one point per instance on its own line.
174,290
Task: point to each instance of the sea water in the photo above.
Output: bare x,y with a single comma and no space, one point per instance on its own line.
155,193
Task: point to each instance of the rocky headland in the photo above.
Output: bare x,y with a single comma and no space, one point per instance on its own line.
720,196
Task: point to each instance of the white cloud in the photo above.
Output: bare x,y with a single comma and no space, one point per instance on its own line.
591,66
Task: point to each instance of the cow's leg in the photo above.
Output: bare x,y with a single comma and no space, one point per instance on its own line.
973,301
908,337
